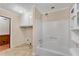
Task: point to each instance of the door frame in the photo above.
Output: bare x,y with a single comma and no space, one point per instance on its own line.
9,29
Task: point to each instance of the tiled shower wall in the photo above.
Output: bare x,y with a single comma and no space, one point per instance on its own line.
56,32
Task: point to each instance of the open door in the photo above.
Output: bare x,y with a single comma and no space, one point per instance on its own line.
5,28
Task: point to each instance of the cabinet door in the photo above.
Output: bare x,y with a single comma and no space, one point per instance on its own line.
26,20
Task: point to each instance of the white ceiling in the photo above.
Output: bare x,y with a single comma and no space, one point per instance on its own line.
44,7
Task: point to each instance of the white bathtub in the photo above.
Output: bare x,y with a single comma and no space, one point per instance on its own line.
74,51
46,52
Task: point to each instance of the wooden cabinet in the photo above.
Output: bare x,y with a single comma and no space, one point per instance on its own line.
4,39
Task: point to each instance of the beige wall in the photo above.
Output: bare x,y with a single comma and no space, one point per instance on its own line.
17,35
28,34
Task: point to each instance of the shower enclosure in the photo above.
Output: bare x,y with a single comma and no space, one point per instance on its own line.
51,33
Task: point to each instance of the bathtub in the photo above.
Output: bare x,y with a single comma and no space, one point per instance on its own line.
40,51
74,51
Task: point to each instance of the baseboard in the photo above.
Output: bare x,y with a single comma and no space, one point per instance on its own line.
17,45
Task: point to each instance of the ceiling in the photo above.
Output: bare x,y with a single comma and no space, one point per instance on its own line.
44,7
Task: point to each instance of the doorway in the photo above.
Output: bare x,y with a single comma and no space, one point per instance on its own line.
5,30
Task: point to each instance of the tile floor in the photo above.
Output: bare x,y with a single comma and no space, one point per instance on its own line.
4,47
22,50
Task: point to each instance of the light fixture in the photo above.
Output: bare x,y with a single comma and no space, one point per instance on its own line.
18,9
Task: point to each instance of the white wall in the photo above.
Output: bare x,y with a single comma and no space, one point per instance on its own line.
4,26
